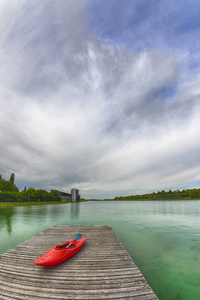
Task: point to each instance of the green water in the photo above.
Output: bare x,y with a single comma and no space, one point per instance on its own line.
163,238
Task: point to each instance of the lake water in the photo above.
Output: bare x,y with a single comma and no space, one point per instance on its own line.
162,237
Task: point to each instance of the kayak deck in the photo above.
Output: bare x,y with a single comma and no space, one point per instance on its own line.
102,269
60,253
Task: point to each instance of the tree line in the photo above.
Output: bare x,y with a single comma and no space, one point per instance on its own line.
9,192
164,195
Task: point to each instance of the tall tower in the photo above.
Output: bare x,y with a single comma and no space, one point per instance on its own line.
75,195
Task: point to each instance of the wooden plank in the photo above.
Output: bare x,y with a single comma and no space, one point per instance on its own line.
102,269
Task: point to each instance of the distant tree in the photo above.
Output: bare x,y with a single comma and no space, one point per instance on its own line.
185,193
194,193
12,178
55,195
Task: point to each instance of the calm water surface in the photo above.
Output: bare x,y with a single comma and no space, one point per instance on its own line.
162,237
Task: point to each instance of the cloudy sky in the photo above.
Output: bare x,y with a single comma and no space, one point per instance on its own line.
100,95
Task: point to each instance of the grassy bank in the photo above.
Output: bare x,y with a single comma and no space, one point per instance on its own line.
13,204
146,199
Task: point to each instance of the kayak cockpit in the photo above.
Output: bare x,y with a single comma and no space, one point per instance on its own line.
65,246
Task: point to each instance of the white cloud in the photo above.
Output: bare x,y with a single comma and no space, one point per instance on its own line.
75,112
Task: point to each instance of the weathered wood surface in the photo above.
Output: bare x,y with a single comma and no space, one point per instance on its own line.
102,269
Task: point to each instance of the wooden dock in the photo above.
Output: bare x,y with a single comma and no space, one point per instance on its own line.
102,269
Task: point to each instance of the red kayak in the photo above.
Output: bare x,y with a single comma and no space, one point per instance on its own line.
60,253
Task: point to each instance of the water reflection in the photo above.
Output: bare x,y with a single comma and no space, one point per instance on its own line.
6,216
34,210
75,210
170,208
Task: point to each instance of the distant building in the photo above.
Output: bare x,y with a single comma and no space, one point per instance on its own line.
65,196
74,196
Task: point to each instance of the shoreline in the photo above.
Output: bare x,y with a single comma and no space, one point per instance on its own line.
178,199
17,204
